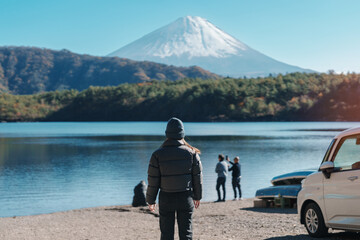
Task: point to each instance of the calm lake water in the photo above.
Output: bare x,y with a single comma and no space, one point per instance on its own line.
48,167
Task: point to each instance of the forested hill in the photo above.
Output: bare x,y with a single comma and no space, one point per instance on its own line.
26,70
292,97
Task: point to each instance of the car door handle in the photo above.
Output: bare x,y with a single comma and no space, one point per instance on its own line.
353,178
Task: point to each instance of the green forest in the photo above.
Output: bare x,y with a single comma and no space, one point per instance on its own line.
291,97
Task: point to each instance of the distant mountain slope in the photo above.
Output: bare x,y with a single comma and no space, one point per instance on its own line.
30,70
193,41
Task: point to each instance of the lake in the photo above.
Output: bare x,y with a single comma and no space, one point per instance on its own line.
49,167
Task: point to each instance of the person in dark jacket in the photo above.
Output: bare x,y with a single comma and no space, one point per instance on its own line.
236,176
175,168
139,195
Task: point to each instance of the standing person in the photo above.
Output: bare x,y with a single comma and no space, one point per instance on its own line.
222,171
236,176
175,168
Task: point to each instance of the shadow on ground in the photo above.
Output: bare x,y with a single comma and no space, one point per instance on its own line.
120,209
331,236
133,209
272,210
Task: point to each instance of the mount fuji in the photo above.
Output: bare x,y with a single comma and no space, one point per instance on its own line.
190,41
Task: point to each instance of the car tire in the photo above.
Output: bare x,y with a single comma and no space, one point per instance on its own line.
314,221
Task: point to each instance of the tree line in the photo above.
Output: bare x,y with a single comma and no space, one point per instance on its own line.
291,97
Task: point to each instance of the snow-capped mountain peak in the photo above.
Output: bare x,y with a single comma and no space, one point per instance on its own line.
195,37
192,41
190,36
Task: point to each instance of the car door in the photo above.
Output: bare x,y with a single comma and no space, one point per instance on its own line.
342,189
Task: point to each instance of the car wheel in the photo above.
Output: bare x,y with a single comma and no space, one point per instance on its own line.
314,221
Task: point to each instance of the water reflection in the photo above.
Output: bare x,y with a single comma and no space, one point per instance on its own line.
47,174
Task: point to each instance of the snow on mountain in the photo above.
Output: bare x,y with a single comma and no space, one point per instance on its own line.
192,41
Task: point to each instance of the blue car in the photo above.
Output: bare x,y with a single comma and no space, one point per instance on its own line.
287,186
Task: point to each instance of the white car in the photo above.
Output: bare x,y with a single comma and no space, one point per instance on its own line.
330,197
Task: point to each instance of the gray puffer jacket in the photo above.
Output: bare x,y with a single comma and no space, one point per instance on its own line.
174,168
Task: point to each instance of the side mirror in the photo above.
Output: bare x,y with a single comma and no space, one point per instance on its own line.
327,168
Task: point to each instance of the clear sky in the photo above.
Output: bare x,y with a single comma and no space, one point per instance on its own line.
315,34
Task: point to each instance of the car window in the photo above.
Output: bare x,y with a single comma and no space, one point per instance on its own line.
348,155
328,151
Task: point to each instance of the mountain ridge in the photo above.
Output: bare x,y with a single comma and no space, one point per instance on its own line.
28,70
195,41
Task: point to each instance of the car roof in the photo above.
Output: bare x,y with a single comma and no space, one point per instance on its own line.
347,132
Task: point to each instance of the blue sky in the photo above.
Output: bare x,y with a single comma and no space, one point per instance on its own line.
315,34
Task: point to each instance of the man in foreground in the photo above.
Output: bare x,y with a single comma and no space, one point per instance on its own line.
175,168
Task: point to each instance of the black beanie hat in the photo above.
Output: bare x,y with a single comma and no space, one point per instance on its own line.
175,129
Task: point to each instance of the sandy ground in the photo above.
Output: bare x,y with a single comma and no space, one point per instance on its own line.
227,220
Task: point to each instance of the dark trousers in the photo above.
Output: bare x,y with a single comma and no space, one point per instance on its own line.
180,203
236,185
220,182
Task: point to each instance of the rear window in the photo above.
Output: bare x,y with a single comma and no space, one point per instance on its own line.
293,181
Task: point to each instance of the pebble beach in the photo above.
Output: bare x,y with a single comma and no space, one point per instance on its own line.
224,220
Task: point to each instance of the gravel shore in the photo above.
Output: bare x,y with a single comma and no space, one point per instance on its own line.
225,220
